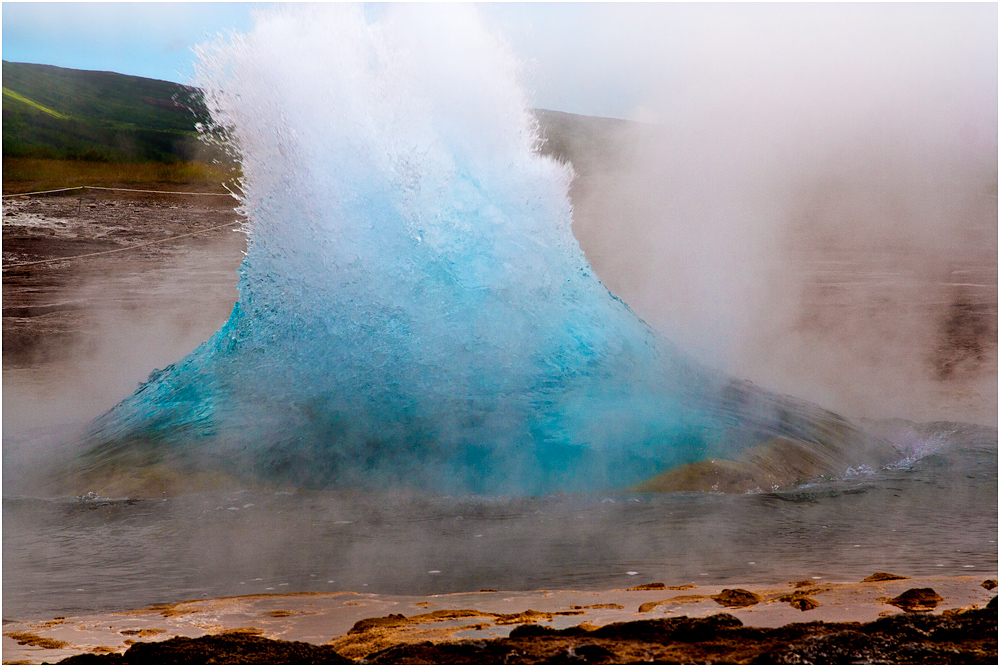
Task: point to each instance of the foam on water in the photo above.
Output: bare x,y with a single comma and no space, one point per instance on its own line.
413,308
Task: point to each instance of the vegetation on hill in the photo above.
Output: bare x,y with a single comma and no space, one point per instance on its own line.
58,113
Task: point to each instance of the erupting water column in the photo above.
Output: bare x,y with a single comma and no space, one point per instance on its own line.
413,308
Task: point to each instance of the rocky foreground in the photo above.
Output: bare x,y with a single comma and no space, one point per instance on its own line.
885,618
967,636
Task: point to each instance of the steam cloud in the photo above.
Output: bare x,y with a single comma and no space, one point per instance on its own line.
815,208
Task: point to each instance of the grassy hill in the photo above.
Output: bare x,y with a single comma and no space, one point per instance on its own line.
58,113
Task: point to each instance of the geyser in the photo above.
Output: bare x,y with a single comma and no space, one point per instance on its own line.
413,308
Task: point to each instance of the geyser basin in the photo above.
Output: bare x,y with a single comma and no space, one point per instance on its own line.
414,310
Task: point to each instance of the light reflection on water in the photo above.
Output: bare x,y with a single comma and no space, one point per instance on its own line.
934,516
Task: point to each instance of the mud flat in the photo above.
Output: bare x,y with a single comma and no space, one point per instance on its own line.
886,618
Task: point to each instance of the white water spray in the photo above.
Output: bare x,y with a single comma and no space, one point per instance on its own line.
414,310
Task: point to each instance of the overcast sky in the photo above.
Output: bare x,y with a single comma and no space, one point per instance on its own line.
635,61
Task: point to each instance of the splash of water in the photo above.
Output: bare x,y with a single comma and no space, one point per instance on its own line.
413,308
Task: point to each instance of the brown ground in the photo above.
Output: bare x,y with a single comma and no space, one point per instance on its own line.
966,636
952,619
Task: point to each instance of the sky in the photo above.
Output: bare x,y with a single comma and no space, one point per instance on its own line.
609,59
151,39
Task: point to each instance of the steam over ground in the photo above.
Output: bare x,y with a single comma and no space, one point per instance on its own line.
815,207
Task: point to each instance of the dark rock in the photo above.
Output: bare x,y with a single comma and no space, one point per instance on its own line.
656,586
365,624
882,576
803,603
93,659
533,630
682,628
585,654
231,648
498,652
916,599
838,648
967,637
736,597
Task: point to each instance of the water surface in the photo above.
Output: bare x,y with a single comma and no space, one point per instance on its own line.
932,516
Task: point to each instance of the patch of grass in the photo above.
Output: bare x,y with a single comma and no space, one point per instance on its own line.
30,174
31,103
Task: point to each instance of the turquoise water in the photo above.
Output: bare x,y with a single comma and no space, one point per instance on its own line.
414,311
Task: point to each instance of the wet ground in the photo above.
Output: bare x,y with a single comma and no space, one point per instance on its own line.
80,333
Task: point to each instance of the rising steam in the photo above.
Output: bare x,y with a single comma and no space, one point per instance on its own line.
815,208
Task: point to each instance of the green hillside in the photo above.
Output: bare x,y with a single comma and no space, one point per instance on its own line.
54,112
